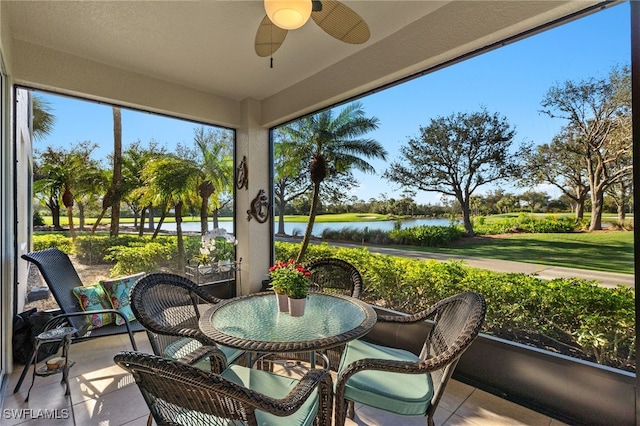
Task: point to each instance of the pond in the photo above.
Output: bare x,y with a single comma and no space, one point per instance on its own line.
298,228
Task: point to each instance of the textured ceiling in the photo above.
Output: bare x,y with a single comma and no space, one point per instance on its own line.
208,45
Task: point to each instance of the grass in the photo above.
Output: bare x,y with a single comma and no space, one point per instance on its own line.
609,251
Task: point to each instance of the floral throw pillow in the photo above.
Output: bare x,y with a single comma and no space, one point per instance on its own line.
92,298
118,292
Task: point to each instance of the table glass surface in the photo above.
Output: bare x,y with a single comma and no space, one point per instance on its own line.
256,318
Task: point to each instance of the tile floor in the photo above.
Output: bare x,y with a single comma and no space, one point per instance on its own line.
102,394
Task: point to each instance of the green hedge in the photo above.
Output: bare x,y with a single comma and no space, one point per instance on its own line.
570,316
48,240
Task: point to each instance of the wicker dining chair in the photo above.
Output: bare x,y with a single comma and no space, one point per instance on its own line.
368,373
167,306
332,275
179,394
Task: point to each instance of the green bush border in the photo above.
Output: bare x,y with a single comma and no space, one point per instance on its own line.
570,316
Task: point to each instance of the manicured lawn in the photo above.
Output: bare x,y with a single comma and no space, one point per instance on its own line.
610,251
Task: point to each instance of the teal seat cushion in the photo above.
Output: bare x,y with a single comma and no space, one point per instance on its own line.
185,345
275,386
405,394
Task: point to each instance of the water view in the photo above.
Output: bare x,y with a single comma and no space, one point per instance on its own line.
298,228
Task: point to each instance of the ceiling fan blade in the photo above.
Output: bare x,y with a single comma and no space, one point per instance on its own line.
341,22
269,38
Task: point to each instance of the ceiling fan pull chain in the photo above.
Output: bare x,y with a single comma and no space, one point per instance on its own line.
271,62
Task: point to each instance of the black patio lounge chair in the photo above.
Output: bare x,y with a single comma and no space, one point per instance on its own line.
61,278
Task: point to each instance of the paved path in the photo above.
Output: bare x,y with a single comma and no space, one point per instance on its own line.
606,279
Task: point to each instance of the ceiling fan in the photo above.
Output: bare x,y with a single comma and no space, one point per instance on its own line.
336,19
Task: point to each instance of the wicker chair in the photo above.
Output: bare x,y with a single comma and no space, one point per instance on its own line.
179,394
332,275
368,373
167,306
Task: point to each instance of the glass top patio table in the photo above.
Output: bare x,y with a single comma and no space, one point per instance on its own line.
253,323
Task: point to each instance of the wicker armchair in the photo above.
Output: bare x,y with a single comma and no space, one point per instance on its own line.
332,275
368,372
167,306
179,394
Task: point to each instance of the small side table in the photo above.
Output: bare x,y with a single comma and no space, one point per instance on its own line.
62,334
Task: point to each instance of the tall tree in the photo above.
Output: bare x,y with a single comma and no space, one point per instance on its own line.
116,186
290,181
216,171
172,180
596,109
333,144
61,173
455,155
561,165
134,159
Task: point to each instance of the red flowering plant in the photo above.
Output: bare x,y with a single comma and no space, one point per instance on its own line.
290,278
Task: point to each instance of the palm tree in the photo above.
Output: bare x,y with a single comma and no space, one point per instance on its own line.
334,147
216,174
172,180
43,119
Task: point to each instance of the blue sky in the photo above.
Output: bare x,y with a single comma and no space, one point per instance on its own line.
511,81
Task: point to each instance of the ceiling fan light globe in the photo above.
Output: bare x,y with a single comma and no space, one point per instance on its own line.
288,14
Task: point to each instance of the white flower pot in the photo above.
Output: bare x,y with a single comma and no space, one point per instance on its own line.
283,302
296,307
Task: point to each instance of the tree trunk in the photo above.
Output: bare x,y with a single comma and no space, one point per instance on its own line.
205,190
204,218
142,215
95,225
281,206
579,210
466,217
81,223
597,198
312,218
72,230
151,217
160,222
117,172
54,207
622,212
181,256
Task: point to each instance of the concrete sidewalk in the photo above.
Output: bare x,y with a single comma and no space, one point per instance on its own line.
605,279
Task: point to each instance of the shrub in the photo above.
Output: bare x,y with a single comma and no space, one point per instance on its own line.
141,257
59,240
37,219
426,236
563,315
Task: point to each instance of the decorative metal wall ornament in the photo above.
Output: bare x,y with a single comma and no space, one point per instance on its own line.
242,174
259,207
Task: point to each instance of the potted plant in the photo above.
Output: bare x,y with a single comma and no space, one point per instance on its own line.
224,251
290,282
217,247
